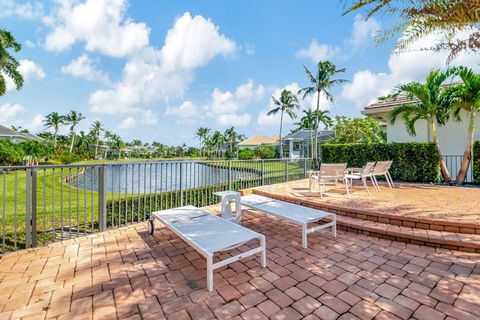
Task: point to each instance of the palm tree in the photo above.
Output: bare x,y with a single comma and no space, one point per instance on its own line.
54,120
321,83
467,98
217,141
95,130
231,137
432,103
420,18
8,64
83,143
73,118
307,122
202,134
287,104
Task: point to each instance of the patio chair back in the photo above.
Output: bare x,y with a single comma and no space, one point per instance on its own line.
334,171
380,168
368,168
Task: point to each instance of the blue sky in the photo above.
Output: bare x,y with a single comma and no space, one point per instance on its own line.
157,70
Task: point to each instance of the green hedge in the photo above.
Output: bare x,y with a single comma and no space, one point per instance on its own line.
476,162
412,161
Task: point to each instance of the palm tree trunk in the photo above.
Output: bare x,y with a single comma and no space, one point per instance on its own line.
443,166
281,144
467,154
73,140
55,140
316,126
96,147
311,141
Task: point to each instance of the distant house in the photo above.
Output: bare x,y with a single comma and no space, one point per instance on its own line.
299,143
258,140
15,136
452,136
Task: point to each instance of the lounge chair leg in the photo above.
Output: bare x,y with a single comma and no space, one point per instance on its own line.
304,236
388,181
390,178
264,252
376,184
364,180
209,273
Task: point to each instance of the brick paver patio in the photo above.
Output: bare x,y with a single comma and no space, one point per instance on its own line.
126,273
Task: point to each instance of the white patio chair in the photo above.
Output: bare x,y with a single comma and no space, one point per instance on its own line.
363,174
332,172
389,177
381,169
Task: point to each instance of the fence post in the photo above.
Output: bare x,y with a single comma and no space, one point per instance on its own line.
229,174
33,221
286,170
28,205
305,168
181,184
263,172
102,200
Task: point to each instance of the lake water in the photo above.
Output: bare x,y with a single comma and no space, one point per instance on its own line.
159,176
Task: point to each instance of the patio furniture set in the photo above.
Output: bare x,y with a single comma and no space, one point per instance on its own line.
208,233
338,172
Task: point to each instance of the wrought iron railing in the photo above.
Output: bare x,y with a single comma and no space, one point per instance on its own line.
454,163
43,204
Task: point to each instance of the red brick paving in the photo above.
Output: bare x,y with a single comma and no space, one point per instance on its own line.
128,274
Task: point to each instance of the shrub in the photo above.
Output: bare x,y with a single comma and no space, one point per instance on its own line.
265,152
66,157
476,162
246,154
412,161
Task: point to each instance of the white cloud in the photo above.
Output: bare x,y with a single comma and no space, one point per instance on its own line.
36,123
309,102
159,75
226,107
26,10
30,44
317,52
149,118
412,65
9,112
29,70
192,42
363,31
84,67
127,123
101,24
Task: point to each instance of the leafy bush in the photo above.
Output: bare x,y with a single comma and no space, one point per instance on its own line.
476,162
246,154
412,161
66,157
10,153
265,152
358,130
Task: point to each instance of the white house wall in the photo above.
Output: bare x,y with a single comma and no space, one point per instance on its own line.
453,135
397,132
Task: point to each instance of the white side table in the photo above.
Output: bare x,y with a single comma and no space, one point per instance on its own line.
229,198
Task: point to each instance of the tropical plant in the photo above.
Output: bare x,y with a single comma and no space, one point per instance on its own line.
357,130
73,118
83,143
307,122
54,120
467,98
321,83
231,136
95,130
202,134
431,103
420,18
287,104
10,153
8,64
19,129
217,140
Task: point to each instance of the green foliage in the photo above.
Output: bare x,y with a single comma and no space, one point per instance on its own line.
8,64
412,161
358,130
66,157
246,154
265,152
10,153
476,162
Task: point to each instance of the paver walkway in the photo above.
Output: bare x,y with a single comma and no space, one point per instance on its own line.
126,273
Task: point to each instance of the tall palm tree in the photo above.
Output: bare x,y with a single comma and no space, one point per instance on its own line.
73,118
432,103
287,104
54,120
217,140
83,143
321,83
420,18
202,134
8,64
467,98
231,136
95,130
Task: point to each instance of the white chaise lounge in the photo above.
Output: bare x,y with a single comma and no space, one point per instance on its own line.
208,234
292,212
